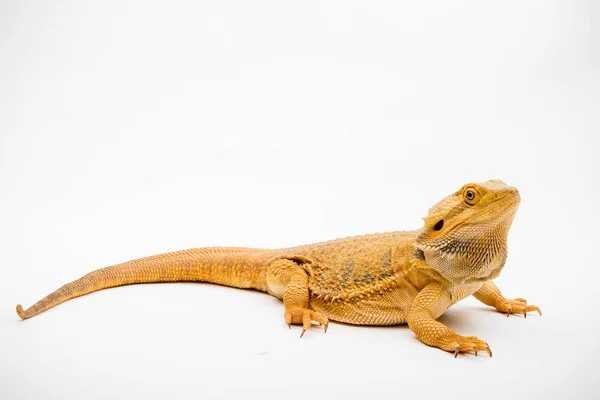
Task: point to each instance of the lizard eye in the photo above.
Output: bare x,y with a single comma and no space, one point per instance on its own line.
439,225
471,196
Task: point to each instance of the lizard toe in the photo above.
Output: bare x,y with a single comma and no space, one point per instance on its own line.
465,344
304,317
518,306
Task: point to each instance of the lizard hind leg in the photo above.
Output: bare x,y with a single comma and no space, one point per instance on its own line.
288,280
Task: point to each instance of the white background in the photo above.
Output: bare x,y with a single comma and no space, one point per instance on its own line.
135,128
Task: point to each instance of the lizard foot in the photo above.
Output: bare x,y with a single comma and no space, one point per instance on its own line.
518,306
462,344
304,317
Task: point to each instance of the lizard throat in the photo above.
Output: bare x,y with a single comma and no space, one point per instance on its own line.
473,252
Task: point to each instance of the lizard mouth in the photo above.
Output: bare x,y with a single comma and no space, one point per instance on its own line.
499,210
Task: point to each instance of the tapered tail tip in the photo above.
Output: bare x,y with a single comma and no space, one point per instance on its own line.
20,311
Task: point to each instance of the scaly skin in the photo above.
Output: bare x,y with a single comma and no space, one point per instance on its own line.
383,279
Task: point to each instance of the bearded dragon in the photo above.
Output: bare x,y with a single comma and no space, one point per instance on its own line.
404,277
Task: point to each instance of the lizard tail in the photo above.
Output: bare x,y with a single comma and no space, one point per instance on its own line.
230,266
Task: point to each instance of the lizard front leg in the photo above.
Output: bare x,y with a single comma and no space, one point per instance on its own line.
287,280
428,305
490,294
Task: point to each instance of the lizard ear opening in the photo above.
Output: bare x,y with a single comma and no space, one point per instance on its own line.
439,225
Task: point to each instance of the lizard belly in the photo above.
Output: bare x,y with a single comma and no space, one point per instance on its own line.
387,308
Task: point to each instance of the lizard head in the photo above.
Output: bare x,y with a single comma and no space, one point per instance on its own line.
464,235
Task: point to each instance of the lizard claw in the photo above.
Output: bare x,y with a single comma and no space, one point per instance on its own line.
304,317
463,344
518,306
